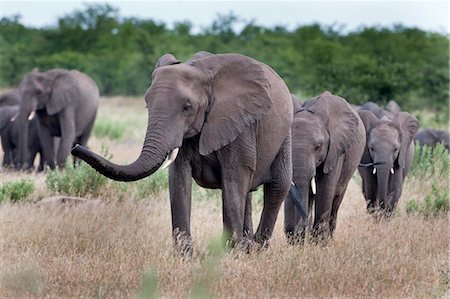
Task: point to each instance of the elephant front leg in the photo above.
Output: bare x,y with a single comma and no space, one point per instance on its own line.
68,135
180,187
324,209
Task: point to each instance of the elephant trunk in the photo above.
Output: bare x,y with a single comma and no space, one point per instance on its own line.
383,174
155,149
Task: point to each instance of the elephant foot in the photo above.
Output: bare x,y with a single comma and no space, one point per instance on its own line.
182,245
295,237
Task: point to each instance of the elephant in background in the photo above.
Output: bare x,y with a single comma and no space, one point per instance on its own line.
392,108
387,159
432,137
10,130
65,103
225,121
328,140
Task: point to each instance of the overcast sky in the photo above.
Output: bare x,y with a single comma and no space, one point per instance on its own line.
428,15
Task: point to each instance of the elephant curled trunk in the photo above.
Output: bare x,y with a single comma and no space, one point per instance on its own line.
154,152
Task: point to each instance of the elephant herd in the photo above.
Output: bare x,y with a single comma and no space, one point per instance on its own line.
229,122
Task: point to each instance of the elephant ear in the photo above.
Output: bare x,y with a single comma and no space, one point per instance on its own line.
408,125
166,59
239,97
63,89
369,120
341,122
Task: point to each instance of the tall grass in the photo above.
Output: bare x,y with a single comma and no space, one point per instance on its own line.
107,128
16,190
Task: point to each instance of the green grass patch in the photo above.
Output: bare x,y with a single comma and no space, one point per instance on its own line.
429,162
435,204
16,190
153,184
81,180
107,128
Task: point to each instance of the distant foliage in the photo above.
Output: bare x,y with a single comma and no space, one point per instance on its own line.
107,128
372,63
79,181
16,190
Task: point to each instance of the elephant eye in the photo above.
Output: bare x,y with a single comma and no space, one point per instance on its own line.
317,147
38,92
187,108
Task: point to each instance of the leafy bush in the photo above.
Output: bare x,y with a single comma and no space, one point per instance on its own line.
16,190
106,128
80,180
435,204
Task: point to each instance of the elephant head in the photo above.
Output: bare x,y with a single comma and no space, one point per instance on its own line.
214,98
323,129
387,147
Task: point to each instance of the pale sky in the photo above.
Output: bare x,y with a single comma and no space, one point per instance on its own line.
427,15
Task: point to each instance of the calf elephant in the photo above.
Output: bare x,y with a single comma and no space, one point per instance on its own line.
328,140
387,158
432,137
65,104
9,132
225,121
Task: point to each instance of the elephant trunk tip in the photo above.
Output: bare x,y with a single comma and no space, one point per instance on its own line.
78,150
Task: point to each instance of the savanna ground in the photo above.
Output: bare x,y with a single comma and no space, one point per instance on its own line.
121,246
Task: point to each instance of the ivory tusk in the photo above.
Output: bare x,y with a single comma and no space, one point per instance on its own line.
374,170
172,156
13,119
31,116
392,170
313,185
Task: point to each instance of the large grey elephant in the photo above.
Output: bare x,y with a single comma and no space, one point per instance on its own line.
392,108
65,103
431,137
228,117
387,158
328,140
10,130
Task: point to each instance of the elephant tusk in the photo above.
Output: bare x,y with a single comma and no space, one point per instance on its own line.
31,116
172,156
374,170
392,170
313,185
13,119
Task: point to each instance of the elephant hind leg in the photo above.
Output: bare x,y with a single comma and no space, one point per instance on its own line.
275,191
248,223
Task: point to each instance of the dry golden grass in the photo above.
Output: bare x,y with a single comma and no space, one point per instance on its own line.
103,250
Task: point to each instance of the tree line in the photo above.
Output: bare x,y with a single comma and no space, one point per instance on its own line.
377,64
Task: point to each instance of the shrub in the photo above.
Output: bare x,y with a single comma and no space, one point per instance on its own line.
16,190
80,180
106,128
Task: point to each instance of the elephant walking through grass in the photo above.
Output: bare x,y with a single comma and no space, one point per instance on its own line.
328,140
225,121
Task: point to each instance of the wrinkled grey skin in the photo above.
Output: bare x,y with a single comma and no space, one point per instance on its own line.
328,140
230,116
390,146
9,132
432,137
65,103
